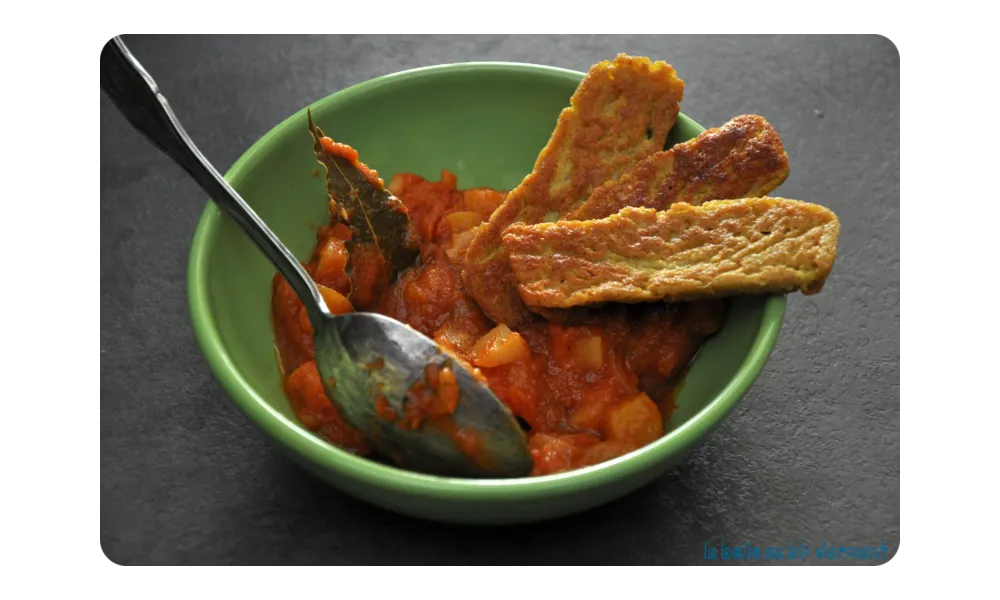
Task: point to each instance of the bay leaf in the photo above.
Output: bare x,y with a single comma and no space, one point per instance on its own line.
359,200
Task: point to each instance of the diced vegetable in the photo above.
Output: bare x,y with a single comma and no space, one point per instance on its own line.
587,417
396,185
400,181
459,334
451,338
588,352
555,454
332,260
552,455
500,346
636,421
463,220
448,179
604,451
483,200
335,301
305,391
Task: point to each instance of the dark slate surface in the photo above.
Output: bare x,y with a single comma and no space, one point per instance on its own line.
811,453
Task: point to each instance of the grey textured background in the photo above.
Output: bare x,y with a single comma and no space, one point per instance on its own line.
810,454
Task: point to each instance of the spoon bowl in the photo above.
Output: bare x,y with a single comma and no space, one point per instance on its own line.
385,358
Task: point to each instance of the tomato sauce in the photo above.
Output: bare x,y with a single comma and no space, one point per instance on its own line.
585,392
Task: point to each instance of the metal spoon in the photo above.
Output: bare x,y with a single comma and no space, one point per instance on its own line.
347,346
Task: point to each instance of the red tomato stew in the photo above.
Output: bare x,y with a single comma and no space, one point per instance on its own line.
585,393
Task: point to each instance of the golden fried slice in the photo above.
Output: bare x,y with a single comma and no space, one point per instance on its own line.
742,159
620,114
721,248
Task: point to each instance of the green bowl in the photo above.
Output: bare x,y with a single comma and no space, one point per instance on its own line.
485,122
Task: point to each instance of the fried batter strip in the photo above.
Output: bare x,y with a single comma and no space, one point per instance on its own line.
620,114
721,248
743,158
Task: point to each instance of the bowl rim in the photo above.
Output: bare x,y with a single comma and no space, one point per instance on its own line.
308,446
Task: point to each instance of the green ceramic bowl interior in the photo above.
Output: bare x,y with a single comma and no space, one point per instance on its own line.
486,122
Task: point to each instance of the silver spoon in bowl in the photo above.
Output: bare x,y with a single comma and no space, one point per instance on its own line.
348,345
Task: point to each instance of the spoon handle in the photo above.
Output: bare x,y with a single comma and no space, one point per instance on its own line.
137,96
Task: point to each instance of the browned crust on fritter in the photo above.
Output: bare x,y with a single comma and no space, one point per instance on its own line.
721,248
743,158
620,114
